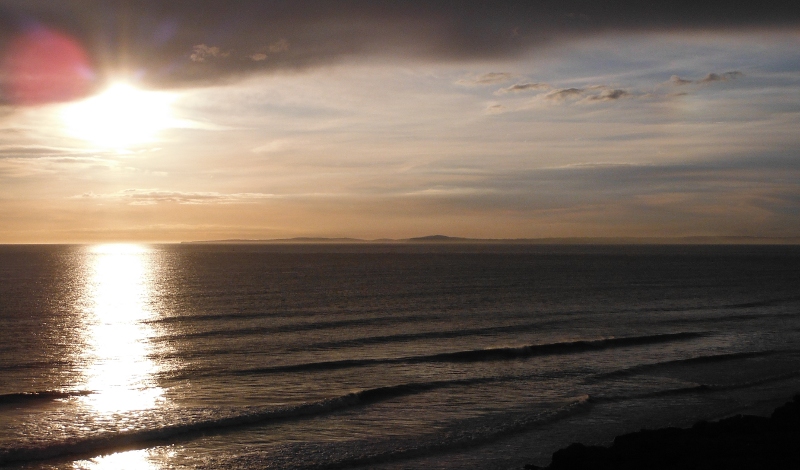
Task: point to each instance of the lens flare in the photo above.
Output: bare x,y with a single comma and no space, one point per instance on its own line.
45,66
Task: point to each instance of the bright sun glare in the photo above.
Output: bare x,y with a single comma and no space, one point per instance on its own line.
119,117
118,368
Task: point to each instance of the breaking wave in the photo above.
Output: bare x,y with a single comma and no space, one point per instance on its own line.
110,441
477,355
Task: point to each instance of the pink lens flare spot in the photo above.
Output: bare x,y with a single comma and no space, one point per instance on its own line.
45,66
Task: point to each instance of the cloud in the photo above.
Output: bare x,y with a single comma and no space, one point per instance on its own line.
678,81
36,151
281,45
564,94
713,77
141,197
560,96
598,93
273,146
157,36
608,95
605,93
495,109
615,197
733,75
201,53
519,87
710,78
486,79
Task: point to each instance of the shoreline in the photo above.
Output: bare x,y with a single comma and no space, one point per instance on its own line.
743,441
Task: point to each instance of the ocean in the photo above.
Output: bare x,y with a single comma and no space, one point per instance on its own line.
393,356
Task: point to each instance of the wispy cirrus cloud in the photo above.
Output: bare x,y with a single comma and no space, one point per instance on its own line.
144,197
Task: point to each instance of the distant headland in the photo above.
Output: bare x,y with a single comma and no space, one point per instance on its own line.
444,239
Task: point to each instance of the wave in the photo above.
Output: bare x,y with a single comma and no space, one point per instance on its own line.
706,307
215,317
712,358
699,388
291,328
752,304
727,318
45,395
127,439
475,355
564,347
766,302
395,319
399,319
458,435
401,337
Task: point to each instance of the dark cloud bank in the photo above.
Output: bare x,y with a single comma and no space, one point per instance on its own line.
181,43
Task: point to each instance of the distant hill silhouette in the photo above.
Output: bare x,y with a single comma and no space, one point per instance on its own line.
694,240
438,238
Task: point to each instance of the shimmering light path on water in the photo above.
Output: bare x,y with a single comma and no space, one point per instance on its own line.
382,357
118,370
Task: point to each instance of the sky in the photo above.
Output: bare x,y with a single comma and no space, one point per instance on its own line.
157,121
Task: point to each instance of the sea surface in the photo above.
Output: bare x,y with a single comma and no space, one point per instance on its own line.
379,356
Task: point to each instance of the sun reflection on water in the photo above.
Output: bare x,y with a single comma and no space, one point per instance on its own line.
117,368
129,460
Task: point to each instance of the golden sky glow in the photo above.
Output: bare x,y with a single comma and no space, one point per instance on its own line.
636,128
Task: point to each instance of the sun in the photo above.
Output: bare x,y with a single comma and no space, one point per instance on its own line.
120,117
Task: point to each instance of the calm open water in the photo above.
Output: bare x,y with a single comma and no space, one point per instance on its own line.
379,356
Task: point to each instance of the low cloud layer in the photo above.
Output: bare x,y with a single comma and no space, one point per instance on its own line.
179,43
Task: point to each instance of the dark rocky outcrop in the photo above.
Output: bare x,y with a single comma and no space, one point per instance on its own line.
739,442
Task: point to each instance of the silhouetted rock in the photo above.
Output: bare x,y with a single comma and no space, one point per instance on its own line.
739,442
